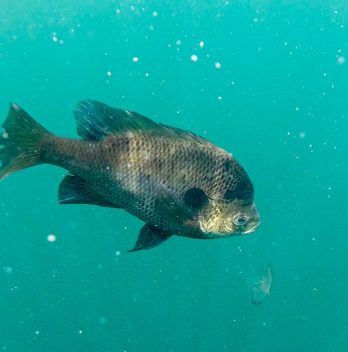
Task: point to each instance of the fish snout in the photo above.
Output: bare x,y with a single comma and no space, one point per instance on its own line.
254,221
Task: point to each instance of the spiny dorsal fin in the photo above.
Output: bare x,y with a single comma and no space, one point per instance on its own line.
96,120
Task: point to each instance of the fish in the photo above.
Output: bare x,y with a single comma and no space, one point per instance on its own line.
262,287
176,182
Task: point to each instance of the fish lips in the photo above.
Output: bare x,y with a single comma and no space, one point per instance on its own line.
252,229
255,223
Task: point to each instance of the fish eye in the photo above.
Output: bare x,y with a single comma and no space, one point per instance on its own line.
240,219
195,198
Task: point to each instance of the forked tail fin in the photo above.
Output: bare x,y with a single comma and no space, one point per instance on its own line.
20,142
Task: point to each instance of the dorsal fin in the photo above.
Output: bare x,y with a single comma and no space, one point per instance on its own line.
96,120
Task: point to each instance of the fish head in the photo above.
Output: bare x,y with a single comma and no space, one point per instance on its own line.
223,219
231,209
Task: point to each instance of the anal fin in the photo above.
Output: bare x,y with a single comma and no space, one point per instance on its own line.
149,237
75,190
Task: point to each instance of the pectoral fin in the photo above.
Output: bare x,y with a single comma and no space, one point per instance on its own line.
172,206
149,237
75,190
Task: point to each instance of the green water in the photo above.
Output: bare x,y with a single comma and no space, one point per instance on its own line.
278,103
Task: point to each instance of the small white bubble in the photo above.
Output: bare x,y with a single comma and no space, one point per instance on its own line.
135,59
217,65
201,44
297,108
178,42
4,135
341,60
147,74
194,58
51,237
37,332
155,14
80,332
219,97
61,41
109,73
302,134
118,11
117,253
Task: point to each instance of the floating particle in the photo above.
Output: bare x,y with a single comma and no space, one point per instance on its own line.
262,286
219,97
135,59
217,65
155,14
341,60
109,73
147,74
4,135
7,269
178,42
117,253
201,44
61,41
54,37
118,11
302,134
51,237
194,58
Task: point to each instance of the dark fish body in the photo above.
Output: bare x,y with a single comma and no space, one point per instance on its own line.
174,181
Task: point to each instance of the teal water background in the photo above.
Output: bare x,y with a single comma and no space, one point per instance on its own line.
278,103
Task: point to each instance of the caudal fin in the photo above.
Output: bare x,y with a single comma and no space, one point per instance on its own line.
20,142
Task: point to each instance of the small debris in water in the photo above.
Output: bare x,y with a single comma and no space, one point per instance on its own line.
51,237
262,287
217,65
341,60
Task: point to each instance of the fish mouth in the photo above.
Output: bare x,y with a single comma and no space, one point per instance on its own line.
252,229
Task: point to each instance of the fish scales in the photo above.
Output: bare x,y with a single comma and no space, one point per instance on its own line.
174,181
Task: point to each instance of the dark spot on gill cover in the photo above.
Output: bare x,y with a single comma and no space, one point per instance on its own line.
195,198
